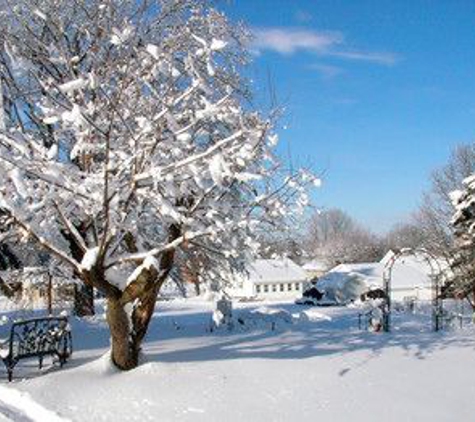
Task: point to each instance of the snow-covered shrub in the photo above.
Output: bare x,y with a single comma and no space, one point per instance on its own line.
263,318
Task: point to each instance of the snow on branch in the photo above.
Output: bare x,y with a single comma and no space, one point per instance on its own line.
145,179
153,253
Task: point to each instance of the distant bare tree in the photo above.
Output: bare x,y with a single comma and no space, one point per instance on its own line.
336,237
435,213
280,245
405,235
328,225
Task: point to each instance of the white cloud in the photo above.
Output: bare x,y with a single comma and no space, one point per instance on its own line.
288,41
374,57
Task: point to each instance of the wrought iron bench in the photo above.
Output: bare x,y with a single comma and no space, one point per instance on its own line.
37,337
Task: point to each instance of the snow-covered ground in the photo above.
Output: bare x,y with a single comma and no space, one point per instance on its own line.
317,367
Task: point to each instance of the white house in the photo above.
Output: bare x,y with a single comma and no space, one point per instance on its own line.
271,278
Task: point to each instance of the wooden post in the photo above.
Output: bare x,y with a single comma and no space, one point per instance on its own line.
387,300
50,294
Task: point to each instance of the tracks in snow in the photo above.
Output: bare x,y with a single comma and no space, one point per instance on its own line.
16,406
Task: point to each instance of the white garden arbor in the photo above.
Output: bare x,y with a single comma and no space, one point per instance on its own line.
436,277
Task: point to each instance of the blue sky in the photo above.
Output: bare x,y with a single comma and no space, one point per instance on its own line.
376,93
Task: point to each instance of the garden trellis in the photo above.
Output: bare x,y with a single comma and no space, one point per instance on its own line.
436,277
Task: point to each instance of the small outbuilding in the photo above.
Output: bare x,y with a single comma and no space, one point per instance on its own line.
411,280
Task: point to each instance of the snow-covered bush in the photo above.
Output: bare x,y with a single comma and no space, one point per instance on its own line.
127,147
342,287
262,318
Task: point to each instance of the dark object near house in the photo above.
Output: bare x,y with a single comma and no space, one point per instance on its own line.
373,294
313,293
310,297
37,337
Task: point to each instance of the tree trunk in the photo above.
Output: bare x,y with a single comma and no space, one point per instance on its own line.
50,294
128,330
83,300
142,315
122,353
127,333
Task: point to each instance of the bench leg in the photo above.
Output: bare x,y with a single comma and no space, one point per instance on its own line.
9,365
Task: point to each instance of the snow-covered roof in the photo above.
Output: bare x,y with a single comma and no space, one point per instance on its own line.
371,273
275,270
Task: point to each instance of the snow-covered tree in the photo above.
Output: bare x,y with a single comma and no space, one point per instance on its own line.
435,212
128,138
463,222
435,217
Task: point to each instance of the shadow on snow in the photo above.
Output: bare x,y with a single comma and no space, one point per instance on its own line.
176,337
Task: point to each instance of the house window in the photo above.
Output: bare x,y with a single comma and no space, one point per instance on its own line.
274,287
297,286
258,289
289,287
266,288
282,287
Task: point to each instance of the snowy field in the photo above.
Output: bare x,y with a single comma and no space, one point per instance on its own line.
318,366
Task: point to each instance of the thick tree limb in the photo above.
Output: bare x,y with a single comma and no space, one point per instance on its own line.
43,242
140,257
72,230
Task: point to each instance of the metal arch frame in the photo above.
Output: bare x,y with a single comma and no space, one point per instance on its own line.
435,276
